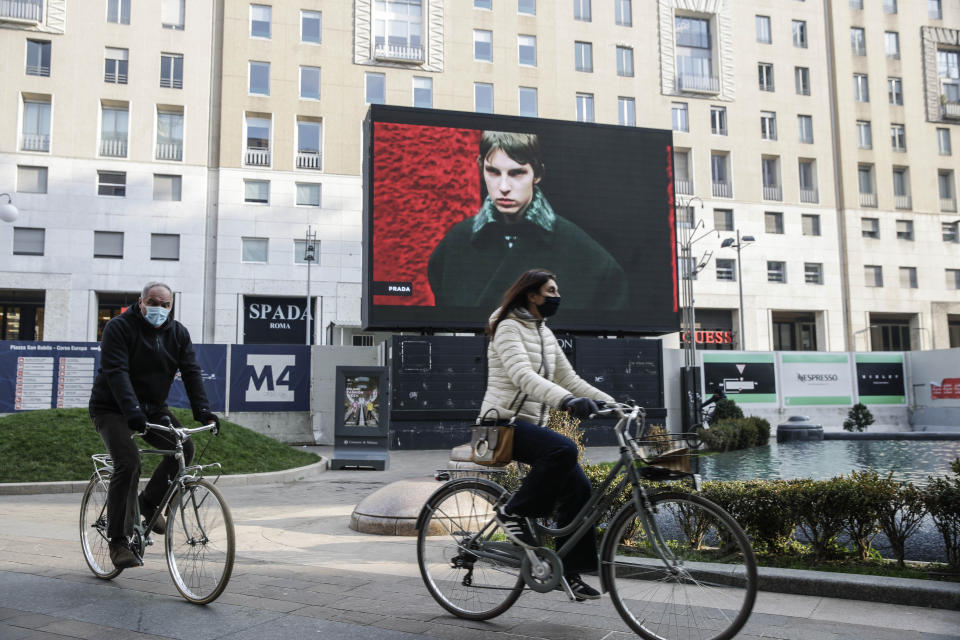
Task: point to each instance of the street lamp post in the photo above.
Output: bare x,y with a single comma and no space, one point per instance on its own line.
309,256
740,243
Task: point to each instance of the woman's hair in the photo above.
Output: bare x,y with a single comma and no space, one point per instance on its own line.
522,148
516,295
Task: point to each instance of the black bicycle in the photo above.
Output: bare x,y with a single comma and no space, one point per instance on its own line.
694,437
675,564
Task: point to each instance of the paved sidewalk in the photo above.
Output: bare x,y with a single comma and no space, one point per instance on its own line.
302,572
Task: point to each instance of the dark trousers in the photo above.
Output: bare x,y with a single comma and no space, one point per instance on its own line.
122,493
556,481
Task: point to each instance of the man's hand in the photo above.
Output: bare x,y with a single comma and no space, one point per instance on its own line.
580,407
206,417
137,423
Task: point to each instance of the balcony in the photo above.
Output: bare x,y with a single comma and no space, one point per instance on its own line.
170,151
306,160
948,205
902,202
809,195
722,190
398,53
859,51
951,110
113,147
115,77
868,200
683,187
38,70
35,142
21,10
258,158
171,83
698,84
772,193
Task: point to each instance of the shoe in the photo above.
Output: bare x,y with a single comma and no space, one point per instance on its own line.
160,525
514,526
122,556
581,590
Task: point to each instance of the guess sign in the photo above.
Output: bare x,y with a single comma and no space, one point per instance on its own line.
709,337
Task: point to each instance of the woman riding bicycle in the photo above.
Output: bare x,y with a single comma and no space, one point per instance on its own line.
528,374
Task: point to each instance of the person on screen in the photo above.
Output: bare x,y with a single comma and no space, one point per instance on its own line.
516,226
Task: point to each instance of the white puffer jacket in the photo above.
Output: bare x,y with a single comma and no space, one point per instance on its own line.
525,360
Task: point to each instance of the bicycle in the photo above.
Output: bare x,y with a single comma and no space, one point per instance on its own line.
199,538
675,564
694,438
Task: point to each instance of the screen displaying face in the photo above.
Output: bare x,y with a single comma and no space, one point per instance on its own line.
460,205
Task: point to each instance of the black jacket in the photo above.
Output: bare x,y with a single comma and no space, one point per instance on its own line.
138,364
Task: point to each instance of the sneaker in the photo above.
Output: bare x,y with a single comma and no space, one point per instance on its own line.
122,556
159,525
514,526
581,590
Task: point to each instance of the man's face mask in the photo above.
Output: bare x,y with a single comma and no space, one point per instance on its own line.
156,315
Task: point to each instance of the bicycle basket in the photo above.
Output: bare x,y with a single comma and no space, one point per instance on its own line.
662,449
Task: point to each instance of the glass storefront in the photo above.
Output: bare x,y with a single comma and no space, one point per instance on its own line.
21,314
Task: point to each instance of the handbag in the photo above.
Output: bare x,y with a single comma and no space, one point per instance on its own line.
491,443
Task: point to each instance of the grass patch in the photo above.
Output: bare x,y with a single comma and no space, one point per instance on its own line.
56,444
879,567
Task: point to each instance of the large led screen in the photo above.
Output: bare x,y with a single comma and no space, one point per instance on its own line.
460,204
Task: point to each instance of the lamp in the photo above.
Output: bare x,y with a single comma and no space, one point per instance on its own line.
8,212
739,243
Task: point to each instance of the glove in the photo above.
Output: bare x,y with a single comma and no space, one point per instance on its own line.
580,407
206,417
137,423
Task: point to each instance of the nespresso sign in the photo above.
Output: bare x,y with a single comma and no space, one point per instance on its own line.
274,320
709,337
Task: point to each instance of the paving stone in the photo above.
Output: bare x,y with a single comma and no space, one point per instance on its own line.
31,620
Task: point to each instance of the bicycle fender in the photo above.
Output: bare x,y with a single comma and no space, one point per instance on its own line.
429,505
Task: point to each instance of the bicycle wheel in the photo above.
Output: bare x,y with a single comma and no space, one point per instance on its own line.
457,520
706,591
93,528
693,437
199,542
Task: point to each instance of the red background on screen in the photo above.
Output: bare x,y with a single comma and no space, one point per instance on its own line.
425,180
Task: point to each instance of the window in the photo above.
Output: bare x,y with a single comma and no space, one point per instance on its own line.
770,171
300,251
723,219
483,97
898,137
260,78
253,249
311,23
801,76
309,143
768,125
627,111
686,218
527,7
934,10
895,90
258,141
776,271
813,272
773,222
864,135
873,275
719,175
256,191
28,241
718,121
945,186
800,33
171,70
310,83
805,129
953,278
889,6
763,30
858,41
171,14
363,340
376,88
681,171
861,90
901,186
694,55
308,194
856,4
260,20
169,135
726,269
891,41
585,107
38,58
107,244
118,11
625,61
483,45
115,65
948,70
111,183
808,180
31,179
680,121
765,71
908,277
581,10
164,246
623,12
423,92
113,132
810,223
943,142
583,56
904,229
951,231
870,228
36,126
868,195
527,50
483,4
527,101
167,187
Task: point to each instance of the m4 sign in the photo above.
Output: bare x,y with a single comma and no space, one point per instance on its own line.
270,378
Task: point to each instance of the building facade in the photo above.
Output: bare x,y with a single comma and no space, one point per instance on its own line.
198,143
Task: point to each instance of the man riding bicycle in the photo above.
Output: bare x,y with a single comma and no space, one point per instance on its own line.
140,353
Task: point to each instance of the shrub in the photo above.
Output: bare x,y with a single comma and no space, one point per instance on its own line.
942,500
900,515
726,409
858,418
864,502
821,510
763,430
736,433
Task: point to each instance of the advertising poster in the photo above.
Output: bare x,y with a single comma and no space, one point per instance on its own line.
269,377
746,378
360,406
212,359
880,378
46,375
461,204
815,379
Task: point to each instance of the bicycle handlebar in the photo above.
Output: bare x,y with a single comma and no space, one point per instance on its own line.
180,433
